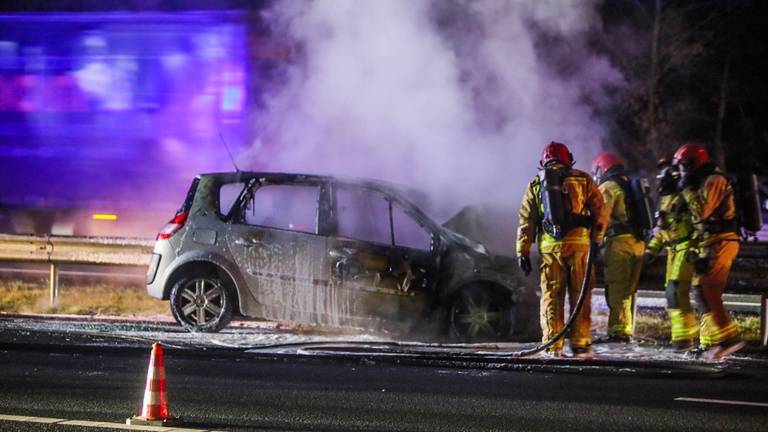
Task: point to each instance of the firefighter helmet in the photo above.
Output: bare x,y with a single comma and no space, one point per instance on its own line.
606,163
556,152
691,156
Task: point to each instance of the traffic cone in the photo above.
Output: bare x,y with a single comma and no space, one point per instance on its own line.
155,411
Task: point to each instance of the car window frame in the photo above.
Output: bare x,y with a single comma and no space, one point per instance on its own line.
237,214
407,208
335,213
235,203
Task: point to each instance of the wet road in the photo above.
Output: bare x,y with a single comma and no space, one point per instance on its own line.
229,389
237,393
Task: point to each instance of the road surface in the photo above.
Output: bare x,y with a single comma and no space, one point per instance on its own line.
67,374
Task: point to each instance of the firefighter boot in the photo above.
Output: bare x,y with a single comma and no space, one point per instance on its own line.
684,329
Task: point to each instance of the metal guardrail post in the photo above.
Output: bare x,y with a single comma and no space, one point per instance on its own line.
764,319
54,283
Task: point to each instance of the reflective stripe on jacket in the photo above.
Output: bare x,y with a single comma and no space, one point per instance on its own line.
674,226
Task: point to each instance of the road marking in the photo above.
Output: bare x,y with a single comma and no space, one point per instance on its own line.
721,401
95,424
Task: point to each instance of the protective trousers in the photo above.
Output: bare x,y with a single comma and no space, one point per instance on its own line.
716,325
623,263
684,326
560,271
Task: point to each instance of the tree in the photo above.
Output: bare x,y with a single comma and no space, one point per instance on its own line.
667,60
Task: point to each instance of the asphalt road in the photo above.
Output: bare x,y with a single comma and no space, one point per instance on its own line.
226,390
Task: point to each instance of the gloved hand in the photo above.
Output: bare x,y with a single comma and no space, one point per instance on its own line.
701,265
649,257
691,256
668,180
524,262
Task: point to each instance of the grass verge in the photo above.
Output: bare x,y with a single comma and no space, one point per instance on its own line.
118,298
129,298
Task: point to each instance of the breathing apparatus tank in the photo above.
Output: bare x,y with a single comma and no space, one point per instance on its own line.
637,199
641,215
553,220
748,208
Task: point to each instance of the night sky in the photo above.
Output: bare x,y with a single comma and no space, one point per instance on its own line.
706,83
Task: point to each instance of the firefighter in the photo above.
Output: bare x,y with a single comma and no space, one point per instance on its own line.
562,210
674,230
623,248
710,198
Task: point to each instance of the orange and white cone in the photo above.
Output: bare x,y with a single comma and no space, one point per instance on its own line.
155,410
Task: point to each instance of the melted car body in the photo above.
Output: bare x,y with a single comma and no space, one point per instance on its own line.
328,251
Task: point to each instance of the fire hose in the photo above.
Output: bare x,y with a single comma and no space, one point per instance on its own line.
574,312
592,251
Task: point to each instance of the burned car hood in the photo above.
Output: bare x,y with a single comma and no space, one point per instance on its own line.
465,242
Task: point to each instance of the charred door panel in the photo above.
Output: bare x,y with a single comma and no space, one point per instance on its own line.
283,259
284,270
380,282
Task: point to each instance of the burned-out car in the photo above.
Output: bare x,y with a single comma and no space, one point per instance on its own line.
329,251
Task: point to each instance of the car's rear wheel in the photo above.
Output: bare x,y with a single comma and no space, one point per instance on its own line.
480,314
201,303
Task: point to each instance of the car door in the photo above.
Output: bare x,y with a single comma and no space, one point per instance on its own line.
276,244
381,282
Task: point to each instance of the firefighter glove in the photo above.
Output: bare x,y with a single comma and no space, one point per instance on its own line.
701,265
691,256
596,246
524,262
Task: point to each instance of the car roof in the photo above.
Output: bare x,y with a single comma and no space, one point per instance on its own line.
396,188
401,192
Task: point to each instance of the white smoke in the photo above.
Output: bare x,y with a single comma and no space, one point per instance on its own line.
455,97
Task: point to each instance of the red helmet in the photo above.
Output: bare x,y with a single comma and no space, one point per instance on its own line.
556,151
691,155
605,162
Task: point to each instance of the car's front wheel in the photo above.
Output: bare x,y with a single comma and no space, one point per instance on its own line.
479,314
201,303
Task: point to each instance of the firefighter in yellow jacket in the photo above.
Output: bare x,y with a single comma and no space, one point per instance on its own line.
674,230
623,248
710,197
558,209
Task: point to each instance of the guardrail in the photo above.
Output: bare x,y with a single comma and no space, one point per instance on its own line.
749,273
56,250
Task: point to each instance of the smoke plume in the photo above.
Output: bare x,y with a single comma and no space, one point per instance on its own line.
454,97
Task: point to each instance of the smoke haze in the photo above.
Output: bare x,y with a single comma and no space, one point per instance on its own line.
455,97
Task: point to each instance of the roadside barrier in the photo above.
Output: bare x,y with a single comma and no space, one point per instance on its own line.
56,250
155,411
748,275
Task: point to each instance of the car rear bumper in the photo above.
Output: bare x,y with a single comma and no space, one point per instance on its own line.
162,257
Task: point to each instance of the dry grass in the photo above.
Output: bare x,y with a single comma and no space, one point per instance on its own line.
654,324
79,298
129,298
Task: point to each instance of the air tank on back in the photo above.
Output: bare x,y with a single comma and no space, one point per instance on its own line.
554,219
748,203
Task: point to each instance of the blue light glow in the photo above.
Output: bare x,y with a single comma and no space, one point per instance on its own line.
117,110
